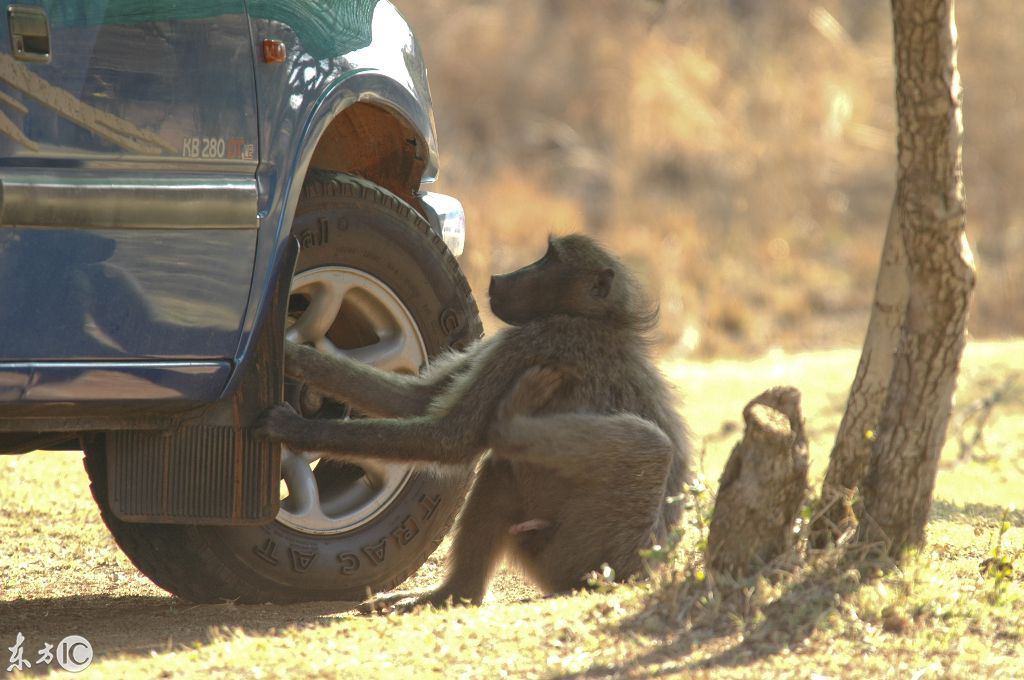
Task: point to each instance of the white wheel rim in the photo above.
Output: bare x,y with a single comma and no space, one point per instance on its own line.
340,498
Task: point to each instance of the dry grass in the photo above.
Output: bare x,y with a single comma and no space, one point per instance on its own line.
742,152
938,616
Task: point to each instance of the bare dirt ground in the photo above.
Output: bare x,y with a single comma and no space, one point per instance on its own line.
61,574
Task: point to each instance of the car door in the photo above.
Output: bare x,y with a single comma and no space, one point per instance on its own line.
128,152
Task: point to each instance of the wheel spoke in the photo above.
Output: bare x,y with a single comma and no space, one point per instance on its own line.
383,354
303,492
410,359
326,295
327,347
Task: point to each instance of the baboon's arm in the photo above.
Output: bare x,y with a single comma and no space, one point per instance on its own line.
455,431
417,439
371,390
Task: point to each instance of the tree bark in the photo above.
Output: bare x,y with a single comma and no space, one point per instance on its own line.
762,486
897,490
848,463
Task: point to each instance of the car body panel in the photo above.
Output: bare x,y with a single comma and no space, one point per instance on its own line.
127,165
121,294
148,196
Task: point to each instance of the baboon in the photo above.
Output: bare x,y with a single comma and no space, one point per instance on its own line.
584,443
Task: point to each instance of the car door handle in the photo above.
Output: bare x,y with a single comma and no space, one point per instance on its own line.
30,33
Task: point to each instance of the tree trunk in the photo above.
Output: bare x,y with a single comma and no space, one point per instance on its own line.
762,486
904,459
848,463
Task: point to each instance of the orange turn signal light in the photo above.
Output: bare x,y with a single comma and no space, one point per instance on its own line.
274,51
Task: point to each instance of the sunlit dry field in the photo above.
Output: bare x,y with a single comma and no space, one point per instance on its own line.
61,574
740,154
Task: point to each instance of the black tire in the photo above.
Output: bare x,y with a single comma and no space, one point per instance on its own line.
374,231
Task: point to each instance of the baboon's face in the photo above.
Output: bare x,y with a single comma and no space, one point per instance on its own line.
554,284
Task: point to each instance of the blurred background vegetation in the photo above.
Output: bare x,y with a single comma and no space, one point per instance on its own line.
739,153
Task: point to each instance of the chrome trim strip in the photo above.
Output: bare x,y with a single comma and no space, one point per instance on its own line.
207,364
118,201
79,382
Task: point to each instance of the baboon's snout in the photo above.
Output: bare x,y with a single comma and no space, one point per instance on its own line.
497,285
497,292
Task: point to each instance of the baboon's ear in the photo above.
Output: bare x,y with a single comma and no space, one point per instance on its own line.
603,283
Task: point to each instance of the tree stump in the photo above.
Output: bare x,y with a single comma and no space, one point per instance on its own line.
762,486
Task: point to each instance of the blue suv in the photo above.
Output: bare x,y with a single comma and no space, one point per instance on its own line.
182,186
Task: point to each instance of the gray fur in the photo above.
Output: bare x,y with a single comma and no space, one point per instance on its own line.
585,444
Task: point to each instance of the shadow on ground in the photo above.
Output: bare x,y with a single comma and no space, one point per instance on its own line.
786,622
136,625
944,510
806,603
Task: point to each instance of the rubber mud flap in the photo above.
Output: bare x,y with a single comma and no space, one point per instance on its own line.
203,474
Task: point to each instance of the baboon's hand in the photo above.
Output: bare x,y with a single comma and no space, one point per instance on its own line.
279,423
531,392
297,358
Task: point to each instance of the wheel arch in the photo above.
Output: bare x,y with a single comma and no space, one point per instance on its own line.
373,142
369,125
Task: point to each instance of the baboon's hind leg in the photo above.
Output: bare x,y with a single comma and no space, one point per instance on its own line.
614,467
480,540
